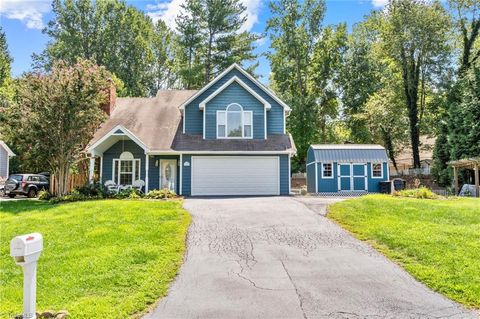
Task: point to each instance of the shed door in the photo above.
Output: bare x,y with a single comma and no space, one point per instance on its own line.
235,175
359,177
344,177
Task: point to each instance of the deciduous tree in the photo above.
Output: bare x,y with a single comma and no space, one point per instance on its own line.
57,114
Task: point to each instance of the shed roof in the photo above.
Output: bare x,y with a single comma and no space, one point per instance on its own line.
349,153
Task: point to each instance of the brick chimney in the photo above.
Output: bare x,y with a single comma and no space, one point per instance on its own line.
109,106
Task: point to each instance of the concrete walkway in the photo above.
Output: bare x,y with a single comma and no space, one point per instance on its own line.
278,257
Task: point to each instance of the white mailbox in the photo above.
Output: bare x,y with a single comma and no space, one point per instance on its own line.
26,250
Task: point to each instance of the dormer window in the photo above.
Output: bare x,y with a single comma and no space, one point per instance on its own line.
234,122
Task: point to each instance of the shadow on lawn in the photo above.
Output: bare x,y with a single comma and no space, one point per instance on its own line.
21,206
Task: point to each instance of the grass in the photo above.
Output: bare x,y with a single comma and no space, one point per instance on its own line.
437,241
101,259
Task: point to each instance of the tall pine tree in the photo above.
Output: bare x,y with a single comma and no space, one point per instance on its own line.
211,39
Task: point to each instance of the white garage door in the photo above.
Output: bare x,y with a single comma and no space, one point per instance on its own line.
235,175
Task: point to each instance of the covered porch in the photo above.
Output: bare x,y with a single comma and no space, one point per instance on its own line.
468,163
120,159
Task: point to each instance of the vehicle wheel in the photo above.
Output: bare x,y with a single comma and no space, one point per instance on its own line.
11,195
32,192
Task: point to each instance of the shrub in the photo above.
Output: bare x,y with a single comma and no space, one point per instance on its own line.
44,195
73,197
161,194
421,192
95,189
131,193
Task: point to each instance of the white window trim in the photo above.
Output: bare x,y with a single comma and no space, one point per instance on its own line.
135,160
371,169
226,123
323,170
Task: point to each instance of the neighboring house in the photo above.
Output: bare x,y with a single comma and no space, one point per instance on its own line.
346,168
5,154
228,138
404,158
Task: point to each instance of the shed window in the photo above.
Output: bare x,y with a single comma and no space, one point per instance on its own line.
234,122
327,171
377,170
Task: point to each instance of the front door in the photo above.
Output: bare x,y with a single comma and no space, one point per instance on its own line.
168,174
344,177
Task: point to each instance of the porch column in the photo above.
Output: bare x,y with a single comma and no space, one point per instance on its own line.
477,182
91,169
455,180
101,169
146,173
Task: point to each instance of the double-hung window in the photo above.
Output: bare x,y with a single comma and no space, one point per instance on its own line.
126,169
377,171
234,122
327,170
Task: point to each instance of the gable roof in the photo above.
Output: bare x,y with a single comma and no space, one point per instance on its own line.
246,74
242,84
146,119
10,153
349,153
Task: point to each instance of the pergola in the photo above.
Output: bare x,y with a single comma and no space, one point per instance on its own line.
468,163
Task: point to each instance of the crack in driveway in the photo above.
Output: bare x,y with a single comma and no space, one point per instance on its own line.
278,257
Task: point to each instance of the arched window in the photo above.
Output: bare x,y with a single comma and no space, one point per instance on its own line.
234,122
126,169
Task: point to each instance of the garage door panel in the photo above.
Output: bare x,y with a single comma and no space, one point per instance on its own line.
233,175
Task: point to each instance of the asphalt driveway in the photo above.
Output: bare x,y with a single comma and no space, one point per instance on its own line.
278,257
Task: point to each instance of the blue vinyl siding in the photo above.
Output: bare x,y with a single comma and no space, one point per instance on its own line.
331,185
374,183
327,184
187,174
234,93
311,178
115,151
194,116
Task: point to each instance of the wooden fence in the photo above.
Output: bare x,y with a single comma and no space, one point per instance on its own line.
77,179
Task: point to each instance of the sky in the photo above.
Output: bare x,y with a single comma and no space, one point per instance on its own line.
23,21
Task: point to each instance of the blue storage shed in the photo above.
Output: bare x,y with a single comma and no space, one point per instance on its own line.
346,168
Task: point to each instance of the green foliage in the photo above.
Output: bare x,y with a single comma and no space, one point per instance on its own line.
92,189
161,194
464,116
210,39
434,240
56,115
101,259
44,195
421,193
111,33
73,197
130,193
414,35
305,61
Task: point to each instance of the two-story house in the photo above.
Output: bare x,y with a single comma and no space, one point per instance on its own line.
228,138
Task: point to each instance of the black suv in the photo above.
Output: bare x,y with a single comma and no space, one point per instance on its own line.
26,184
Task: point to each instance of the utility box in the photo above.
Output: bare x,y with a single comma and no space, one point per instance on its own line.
26,250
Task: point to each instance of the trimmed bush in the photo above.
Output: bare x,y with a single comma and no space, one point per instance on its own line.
44,195
422,192
161,194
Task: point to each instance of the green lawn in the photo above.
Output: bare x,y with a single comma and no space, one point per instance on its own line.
437,241
101,259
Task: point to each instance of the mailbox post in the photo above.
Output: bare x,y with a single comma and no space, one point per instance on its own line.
26,250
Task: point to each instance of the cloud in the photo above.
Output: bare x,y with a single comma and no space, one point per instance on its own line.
168,11
379,3
29,12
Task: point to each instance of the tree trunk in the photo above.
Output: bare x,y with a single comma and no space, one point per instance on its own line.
387,140
411,73
62,177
